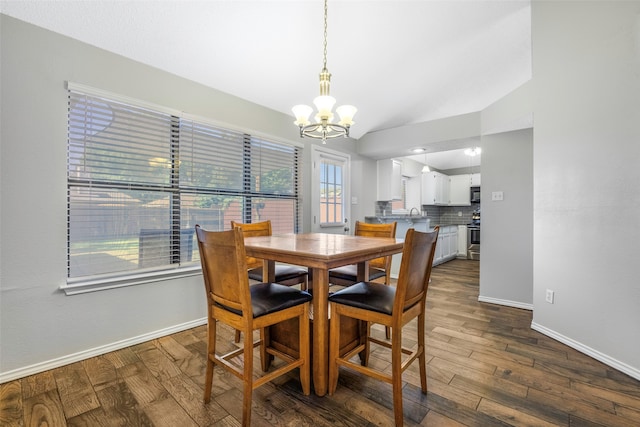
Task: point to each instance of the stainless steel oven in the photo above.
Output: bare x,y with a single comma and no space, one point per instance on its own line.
473,241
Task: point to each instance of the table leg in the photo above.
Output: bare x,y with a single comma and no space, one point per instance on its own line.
268,271
320,330
363,271
268,276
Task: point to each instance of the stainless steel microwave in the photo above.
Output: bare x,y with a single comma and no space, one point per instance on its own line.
475,194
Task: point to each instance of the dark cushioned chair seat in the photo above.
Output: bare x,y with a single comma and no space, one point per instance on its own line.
270,297
283,272
350,273
367,295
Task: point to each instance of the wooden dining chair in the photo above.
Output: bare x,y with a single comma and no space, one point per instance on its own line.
232,301
288,275
379,268
394,307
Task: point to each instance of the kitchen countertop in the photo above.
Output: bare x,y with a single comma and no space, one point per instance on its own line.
397,217
415,218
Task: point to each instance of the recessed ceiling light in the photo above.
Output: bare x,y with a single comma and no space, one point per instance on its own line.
473,151
418,150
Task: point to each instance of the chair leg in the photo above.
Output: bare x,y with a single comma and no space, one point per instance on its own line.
422,358
387,281
265,342
396,376
367,344
305,370
247,381
334,349
211,354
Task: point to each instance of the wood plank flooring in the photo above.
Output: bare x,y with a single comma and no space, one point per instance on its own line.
485,365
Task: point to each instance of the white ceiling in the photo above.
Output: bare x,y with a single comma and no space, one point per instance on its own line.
399,62
450,159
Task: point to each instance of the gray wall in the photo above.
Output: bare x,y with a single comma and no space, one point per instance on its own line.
586,68
506,270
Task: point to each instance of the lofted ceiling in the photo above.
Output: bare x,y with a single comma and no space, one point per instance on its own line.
399,62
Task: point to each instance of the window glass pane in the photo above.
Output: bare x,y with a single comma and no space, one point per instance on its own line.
105,230
113,142
210,157
331,209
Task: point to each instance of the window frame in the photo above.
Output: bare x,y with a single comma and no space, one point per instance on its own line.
175,268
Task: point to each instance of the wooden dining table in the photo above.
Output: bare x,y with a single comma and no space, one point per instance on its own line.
320,252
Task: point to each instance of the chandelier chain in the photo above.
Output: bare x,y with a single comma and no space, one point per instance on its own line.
325,36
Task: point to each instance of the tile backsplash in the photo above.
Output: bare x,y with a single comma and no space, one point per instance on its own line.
446,215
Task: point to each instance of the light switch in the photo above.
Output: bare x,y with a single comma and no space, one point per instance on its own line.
354,200
497,196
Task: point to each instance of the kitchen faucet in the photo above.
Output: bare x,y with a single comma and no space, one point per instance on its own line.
411,211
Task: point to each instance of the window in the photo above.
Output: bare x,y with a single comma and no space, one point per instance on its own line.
401,205
140,177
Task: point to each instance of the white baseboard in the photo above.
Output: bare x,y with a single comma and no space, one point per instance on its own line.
607,360
508,303
97,351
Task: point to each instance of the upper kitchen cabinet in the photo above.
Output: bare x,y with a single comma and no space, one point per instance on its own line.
475,179
435,188
442,190
389,180
459,194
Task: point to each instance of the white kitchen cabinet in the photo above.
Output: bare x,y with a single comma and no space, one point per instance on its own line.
435,188
447,247
453,241
389,180
475,179
462,241
459,194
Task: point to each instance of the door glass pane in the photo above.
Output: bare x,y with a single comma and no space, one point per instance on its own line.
331,184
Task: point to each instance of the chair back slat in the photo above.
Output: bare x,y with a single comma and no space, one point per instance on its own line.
253,229
415,268
224,267
377,230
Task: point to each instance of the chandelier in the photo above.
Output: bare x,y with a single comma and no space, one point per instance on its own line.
324,128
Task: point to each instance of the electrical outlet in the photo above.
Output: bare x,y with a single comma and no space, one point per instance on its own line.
497,196
549,296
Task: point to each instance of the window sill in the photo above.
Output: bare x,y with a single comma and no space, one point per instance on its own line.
94,284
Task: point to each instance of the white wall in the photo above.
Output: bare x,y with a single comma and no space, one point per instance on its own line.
586,59
40,327
506,269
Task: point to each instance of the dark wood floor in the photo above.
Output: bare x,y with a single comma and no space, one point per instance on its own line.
486,367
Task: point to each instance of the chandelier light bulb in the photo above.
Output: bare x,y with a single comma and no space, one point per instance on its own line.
302,113
346,113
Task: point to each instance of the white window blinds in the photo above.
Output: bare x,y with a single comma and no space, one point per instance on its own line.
140,178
